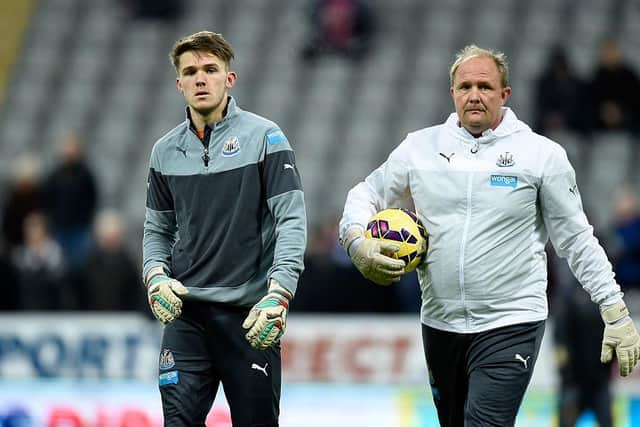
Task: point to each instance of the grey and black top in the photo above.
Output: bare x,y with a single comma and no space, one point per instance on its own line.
226,213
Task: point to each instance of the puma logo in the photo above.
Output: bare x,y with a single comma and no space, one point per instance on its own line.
260,368
522,359
448,157
287,166
182,150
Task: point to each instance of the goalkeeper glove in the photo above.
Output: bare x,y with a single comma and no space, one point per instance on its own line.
620,335
163,293
370,256
267,319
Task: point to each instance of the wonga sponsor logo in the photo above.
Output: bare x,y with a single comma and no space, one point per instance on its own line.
504,181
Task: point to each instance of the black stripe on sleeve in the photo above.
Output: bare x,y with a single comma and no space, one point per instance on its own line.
280,173
158,192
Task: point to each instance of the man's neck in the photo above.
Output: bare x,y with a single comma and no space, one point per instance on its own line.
200,121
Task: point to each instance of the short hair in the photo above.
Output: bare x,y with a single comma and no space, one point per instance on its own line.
203,41
472,51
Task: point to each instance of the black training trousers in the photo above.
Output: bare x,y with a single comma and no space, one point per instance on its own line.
480,379
206,347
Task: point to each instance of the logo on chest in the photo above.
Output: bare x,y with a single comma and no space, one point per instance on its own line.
504,181
505,160
231,146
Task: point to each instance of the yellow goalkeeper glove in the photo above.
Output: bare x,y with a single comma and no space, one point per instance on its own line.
371,259
163,293
267,320
621,336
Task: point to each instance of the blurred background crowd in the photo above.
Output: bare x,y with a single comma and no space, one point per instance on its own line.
86,88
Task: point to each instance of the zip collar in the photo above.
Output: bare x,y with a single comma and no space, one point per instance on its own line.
508,126
229,114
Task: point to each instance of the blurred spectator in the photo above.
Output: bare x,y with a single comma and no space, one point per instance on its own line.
24,197
330,282
10,285
40,268
319,271
343,27
584,382
558,91
615,91
110,278
71,198
626,251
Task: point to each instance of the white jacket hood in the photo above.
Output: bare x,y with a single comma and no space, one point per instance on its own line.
508,126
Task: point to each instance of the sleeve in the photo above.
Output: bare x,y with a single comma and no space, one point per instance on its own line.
570,231
387,186
285,200
160,222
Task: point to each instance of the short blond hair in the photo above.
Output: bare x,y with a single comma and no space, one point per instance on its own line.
472,51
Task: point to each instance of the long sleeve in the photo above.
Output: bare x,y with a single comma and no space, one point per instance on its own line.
285,201
160,221
570,232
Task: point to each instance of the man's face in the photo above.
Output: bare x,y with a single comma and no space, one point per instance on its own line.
478,94
203,80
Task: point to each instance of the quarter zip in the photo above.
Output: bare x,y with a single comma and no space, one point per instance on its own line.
205,142
205,157
463,245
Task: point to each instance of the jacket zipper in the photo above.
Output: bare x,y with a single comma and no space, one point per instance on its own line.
205,143
463,245
205,157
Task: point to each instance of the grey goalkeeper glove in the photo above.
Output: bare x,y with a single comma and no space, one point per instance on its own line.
267,320
621,336
163,293
370,256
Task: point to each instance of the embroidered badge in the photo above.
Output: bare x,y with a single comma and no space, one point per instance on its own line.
505,160
166,360
231,147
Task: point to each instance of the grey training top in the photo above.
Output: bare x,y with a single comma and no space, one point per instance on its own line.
225,214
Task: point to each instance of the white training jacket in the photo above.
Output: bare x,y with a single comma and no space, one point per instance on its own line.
489,205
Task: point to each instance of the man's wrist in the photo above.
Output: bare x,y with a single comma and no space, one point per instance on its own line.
614,314
276,288
153,273
353,238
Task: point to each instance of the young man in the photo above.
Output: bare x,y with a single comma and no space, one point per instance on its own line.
224,240
490,193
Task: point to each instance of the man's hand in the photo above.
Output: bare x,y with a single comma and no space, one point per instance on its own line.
620,335
370,256
267,319
163,293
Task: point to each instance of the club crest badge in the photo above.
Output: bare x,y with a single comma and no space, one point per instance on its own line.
166,359
231,147
505,160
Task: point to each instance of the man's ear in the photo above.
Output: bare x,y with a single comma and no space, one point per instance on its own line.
506,93
232,77
179,86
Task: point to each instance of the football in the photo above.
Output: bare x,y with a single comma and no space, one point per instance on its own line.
403,227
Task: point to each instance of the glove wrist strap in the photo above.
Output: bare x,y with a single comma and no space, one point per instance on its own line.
352,240
276,288
153,273
615,313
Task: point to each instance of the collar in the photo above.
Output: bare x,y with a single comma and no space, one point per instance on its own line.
230,110
508,125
